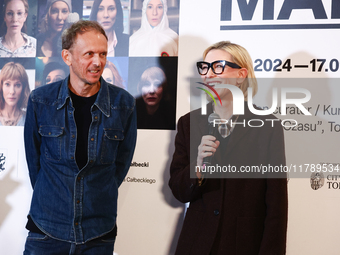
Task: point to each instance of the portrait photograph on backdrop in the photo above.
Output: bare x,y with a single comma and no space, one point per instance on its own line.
50,70
14,92
154,35
14,41
153,83
109,14
116,71
54,17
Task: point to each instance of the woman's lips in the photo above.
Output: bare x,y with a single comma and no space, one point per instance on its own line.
151,99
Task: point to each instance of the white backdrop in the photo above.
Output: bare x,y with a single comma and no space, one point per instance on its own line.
149,218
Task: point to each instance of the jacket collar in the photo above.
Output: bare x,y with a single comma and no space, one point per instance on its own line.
102,101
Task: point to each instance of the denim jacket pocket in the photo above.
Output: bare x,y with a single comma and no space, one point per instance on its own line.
111,140
51,140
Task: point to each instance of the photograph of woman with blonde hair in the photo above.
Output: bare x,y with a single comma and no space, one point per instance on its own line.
154,107
14,93
109,14
155,37
112,76
56,13
15,43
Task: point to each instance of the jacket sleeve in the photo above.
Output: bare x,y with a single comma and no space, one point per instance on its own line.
127,147
184,188
32,140
275,228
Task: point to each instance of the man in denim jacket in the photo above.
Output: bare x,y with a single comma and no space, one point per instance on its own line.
80,135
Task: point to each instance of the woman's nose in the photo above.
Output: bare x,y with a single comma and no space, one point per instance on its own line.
152,90
60,16
12,90
106,13
210,73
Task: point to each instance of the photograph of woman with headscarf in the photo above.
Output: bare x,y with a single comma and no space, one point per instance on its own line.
56,13
15,42
109,14
155,37
14,93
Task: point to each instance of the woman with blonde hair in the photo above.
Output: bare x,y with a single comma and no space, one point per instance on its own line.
14,93
15,43
52,25
230,212
111,75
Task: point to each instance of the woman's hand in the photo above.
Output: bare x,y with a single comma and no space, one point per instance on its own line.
207,148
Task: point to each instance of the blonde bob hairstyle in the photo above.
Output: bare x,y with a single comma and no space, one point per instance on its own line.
15,71
241,57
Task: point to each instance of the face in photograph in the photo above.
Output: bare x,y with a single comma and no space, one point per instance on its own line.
151,86
15,16
55,75
154,12
12,89
14,86
58,13
107,12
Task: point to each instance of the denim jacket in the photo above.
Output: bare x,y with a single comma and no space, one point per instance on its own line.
71,204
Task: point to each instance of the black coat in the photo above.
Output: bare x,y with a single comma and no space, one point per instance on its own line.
251,214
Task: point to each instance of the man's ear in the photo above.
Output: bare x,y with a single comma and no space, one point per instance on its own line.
67,56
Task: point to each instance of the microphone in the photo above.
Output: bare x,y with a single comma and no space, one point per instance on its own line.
212,131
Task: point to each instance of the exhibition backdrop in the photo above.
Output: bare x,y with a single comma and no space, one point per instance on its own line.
293,44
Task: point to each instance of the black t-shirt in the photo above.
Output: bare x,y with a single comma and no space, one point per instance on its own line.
83,118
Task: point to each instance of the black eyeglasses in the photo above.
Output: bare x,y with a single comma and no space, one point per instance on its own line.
217,66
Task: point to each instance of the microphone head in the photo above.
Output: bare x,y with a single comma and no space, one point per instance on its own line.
213,116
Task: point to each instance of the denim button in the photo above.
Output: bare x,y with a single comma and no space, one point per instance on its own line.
216,212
